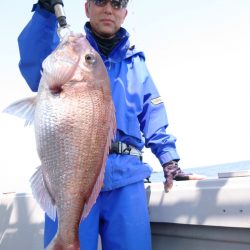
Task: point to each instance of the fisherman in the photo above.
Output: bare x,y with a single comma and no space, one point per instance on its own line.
120,214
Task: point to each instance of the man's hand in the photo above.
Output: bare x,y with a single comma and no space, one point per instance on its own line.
173,172
49,4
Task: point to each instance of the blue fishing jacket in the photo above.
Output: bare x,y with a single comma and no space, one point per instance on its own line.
140,114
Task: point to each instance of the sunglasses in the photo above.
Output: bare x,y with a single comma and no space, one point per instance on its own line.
116,4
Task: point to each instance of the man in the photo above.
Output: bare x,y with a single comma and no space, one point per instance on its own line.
120,214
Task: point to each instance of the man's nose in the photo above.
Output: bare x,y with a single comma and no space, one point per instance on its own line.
108,7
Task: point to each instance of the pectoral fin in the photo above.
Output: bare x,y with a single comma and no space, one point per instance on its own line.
24,108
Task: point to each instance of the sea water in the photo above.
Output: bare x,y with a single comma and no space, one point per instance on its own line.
210,172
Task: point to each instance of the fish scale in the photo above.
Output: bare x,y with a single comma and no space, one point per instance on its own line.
74,120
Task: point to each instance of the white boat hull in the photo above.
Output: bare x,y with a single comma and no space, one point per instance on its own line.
201,215
195,215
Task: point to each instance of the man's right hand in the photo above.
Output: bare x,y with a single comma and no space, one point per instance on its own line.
49,4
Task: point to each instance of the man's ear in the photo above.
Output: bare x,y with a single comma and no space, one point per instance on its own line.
87,8
125,14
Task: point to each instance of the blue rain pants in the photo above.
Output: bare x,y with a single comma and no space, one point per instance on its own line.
121,218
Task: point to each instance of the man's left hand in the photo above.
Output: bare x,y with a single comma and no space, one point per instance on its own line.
173,172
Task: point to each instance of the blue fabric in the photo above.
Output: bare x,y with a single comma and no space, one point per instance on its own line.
141,121
38,39
121,217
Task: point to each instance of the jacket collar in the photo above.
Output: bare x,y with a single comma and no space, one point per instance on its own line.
119,52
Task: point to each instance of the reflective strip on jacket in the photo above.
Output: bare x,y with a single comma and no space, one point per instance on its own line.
140,115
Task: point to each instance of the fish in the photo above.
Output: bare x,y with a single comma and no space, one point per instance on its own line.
74,122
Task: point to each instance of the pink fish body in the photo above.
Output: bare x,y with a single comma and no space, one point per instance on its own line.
74,122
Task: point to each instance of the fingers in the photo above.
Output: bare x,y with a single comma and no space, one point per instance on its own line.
182,177
168,184
196,177
186,177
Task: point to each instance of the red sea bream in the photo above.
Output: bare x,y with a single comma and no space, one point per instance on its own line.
74,120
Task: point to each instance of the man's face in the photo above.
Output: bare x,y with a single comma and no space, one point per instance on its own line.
105,20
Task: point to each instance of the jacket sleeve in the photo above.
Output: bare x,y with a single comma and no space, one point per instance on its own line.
36,41
154,123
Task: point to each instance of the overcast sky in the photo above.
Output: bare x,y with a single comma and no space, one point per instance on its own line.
198,53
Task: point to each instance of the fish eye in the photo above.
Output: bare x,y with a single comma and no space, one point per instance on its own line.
90,58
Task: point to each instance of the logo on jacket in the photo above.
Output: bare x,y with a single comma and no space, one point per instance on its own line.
157,100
